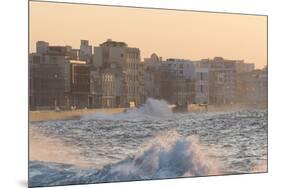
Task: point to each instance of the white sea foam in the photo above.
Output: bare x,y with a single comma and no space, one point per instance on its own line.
167,156
152,108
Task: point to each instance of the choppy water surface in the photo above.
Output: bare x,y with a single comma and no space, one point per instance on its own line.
147,143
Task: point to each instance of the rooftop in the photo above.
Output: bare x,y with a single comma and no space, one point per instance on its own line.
111,43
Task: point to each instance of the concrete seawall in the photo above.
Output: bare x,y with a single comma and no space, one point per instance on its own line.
75,114
63,115
236,107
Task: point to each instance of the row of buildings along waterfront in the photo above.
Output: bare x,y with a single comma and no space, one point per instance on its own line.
110,76
113,75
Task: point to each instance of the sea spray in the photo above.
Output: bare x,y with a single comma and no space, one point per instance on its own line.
166,156
151,109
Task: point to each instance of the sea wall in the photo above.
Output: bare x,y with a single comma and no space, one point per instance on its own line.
224,107
62,115
235,107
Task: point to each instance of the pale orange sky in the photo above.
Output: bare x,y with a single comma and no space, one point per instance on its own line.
168,33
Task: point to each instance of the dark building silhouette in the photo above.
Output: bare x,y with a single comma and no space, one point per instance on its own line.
57,79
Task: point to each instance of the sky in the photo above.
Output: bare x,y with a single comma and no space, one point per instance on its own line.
168,33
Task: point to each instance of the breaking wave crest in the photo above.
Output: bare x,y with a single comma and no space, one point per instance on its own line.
152,108
166,156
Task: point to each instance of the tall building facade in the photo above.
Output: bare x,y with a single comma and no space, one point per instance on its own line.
57,78
179,80
242,67
222,81
202,82
152,76
86,51
172,80
49,85
122,66
253,87
80,85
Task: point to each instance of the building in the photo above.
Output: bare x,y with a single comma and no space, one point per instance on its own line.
202,82
42,47
86,51
172,80
111,88
141,84
59,85
116,60
49,85
152,76
230,82
95,88
114,76
253,87
241,66
57,79
222,81
80,85
178,83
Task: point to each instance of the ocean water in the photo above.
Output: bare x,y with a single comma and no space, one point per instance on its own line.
150,142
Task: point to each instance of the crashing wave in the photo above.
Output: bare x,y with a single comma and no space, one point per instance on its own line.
167,156
152,108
